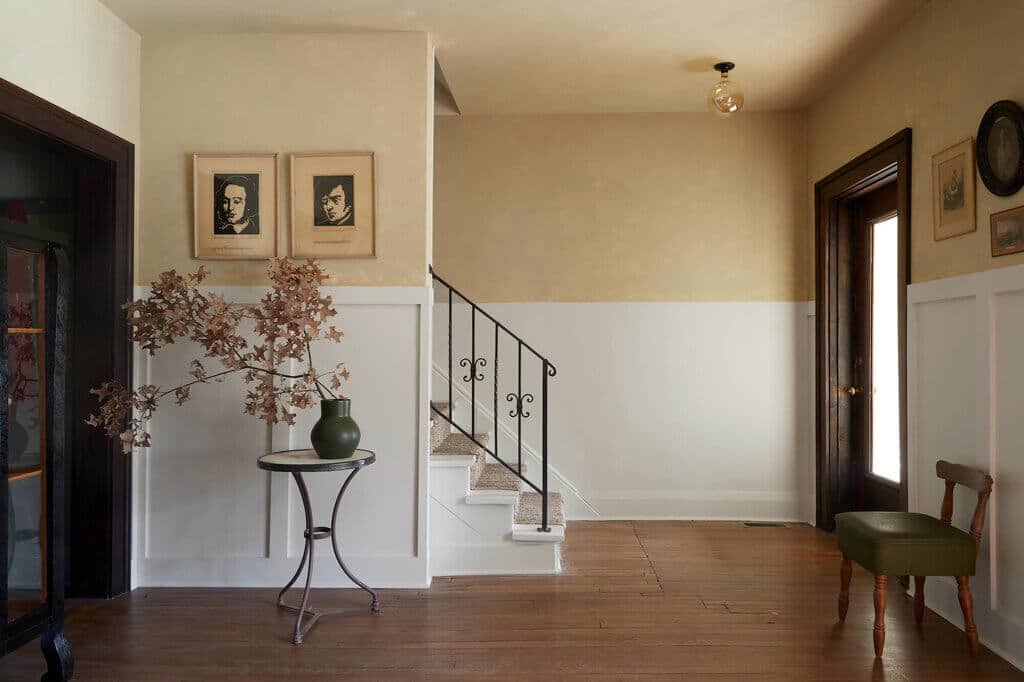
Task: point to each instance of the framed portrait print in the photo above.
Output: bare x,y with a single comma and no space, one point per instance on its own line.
333,211
235,205
1000,148
1008,231
953,191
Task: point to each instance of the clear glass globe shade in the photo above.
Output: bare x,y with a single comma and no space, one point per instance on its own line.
727,97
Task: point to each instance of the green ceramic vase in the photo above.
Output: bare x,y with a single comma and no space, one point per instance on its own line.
336,434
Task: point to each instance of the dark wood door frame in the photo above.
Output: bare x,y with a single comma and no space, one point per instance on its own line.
99,478
874,168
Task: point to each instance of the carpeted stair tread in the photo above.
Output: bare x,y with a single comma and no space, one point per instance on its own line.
439,430
459,444
496,476
529,508
443,408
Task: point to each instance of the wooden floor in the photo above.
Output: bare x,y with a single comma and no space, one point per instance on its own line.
643,600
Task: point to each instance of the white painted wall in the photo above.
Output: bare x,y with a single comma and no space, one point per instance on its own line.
965,390
76,54
204,515
662,410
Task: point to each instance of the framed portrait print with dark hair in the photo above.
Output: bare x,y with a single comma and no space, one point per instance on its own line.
235,205
333,205
1000,148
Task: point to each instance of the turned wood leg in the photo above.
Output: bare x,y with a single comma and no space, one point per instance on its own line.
967,606
919,598
845,571
881,583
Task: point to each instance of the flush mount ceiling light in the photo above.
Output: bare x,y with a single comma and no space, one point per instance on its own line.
726,96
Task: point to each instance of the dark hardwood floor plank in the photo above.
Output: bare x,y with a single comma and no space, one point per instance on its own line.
645,600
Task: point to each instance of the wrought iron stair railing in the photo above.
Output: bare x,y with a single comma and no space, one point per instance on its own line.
473,371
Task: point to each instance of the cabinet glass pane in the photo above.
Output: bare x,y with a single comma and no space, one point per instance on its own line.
26,402
23,289
25,547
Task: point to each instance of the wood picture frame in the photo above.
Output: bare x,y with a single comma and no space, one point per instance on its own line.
333,205
1000,148
234,206
1007,228
953,195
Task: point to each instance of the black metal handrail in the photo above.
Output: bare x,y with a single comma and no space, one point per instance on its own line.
520,400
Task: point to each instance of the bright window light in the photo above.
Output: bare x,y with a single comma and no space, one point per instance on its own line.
885,374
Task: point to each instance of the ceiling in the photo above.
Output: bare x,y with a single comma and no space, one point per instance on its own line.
573,56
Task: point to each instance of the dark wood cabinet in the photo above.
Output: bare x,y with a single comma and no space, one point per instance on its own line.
33,372
66,207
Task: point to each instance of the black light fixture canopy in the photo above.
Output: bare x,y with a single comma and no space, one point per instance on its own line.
723,67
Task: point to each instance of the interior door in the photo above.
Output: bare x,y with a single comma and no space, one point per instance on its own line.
862,266
873,381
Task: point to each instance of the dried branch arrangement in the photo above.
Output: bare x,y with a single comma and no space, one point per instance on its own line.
289,318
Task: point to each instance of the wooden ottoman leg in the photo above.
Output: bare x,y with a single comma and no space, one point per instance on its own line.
845,571
881,583
967,606
919,598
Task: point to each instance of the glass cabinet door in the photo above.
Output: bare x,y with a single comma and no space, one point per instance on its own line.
25,554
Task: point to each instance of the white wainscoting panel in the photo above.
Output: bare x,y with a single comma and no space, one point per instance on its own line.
965,392
659,410
204,515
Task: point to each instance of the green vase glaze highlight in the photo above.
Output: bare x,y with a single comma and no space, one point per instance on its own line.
336,434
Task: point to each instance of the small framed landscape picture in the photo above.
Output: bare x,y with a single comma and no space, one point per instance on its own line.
333,205
953,191
1008,231
235,206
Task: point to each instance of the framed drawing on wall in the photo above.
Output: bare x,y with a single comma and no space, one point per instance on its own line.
953,191
1008,231
333,211
235,205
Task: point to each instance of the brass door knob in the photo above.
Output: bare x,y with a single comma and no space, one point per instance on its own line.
852,390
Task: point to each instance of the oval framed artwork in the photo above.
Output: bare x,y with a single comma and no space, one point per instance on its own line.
999,148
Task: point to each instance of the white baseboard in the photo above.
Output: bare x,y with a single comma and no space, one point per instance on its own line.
940,596
378,572
695,506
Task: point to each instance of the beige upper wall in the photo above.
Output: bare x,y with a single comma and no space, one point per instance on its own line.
288,93
937,75
76,54
623,207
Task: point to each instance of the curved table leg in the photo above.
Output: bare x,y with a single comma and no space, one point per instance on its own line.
375,605
302,564
297,639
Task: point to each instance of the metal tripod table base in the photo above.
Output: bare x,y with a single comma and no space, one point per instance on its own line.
304,609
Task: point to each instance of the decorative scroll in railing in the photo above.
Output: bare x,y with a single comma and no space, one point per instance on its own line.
472,372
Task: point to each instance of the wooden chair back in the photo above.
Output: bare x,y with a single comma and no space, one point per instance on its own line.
976,480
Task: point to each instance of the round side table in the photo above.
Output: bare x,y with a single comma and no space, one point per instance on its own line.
296,463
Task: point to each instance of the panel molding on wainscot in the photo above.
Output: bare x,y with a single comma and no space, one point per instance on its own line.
965,388
204,515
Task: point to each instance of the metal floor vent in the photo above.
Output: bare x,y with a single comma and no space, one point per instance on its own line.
764,524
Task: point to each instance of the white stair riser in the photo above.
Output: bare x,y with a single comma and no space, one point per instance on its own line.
512,558
470,538
449,487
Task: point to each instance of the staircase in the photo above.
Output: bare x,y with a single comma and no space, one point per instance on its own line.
489,513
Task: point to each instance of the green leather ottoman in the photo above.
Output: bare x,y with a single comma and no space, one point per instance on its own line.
899,543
